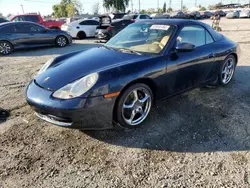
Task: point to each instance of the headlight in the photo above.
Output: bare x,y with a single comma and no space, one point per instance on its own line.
77,88
46,66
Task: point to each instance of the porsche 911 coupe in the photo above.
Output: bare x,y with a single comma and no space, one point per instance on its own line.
115,85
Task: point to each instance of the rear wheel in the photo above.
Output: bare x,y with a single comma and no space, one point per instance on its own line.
5,48
134,106
81,35
227,70
61,41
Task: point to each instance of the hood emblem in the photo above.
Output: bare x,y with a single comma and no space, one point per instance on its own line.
46,79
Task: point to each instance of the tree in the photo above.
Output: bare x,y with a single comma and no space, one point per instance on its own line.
1,15
119,5
96,8
169,10
67,8
164,9
184,8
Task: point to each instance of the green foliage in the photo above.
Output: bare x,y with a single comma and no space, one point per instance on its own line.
184,8
1,15
164,9
67,8
119,5
169,10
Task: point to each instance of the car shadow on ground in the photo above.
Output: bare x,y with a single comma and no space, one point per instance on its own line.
202,120
43,51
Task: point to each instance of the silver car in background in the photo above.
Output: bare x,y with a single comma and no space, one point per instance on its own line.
245,14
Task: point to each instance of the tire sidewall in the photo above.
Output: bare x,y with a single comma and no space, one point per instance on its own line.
122,98
11,47
221,70
81,35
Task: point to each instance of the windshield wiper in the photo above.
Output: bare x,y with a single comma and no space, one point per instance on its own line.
109,48
129,51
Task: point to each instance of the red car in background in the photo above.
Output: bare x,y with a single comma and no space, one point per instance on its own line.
36,18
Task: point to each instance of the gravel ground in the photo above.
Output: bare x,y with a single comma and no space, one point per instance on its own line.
198,139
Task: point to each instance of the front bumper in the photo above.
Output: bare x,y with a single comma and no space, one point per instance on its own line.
79,113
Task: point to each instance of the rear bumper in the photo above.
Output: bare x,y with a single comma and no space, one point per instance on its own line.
79,113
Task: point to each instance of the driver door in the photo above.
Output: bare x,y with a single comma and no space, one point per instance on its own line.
194,67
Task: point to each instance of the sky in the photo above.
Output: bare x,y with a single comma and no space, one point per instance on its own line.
45,6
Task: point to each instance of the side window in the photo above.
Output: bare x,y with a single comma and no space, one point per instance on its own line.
92,22
135,17
35,28
209,38
83,23
19,19
31,18
193,34
143,17
7,29
23,28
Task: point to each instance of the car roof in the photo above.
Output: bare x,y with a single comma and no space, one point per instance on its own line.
13,23
172,22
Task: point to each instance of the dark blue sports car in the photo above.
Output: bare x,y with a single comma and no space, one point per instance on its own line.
117,84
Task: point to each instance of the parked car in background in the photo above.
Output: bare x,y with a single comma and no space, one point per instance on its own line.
2,20
221,13
109,28
245,14
117,16
232,15
116,85
179,14
17,35
206,14
36,18
81,28
161,16
136,17
194,15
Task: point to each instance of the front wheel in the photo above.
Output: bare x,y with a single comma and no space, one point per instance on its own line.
134,106
61,41
5,48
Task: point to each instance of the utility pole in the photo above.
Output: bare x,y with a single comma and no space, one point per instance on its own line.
170,3
139,6
195,3
158,5
22,8
181,4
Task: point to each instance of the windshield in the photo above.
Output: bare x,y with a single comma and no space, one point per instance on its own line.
147,38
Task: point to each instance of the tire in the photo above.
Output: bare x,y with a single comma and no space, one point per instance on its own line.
5,48
61,41
219,79
230,62
81,35
134,114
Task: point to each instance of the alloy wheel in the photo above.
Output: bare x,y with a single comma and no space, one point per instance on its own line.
136,106
61,41
5,48
228,71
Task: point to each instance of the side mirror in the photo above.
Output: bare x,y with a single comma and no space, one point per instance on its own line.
185,47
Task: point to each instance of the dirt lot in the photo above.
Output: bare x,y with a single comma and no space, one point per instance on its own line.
198,139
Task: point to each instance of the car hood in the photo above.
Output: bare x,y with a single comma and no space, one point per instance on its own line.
71,67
